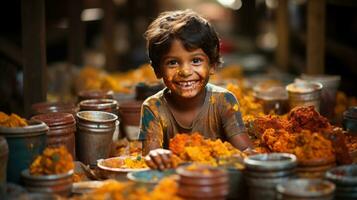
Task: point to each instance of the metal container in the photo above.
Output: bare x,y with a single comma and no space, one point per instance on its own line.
60,184
304,94
130,119
50,107
345,179
238,189
350,120
4,154
25,143
95,94
62,130
329,91
94,135
106,105
265,171
274,99
305,189
315,168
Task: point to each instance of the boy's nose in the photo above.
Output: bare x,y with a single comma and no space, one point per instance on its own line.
185,71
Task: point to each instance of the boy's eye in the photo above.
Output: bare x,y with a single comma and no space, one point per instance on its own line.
196,60
171,62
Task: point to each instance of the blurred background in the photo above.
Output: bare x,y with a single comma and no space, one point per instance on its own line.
50,50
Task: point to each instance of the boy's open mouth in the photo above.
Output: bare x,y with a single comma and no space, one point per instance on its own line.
186,85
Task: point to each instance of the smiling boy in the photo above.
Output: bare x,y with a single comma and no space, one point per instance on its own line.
184,51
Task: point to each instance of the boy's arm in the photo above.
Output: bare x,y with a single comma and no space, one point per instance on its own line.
241,141
233,123
151,132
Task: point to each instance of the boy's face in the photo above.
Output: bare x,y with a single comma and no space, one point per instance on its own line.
185,72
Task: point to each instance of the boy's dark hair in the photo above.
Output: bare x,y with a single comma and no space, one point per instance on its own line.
191,29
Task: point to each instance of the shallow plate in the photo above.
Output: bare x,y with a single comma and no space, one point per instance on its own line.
118,169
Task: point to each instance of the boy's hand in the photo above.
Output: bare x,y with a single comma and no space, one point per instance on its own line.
248,151
159,159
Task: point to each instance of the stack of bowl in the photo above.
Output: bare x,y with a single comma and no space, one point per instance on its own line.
345,179
201,181
265,171
306,189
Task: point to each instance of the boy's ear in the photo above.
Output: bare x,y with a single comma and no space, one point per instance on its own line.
212,69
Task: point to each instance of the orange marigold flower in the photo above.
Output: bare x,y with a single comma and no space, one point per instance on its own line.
54,160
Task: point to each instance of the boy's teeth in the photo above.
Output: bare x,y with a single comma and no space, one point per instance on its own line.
187,83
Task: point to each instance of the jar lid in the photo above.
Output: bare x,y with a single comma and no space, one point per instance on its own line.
351,113
55,119
49,107
95,94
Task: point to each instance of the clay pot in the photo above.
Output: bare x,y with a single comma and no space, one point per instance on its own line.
62,130
51,107
202,181
95,94
129,113
60,184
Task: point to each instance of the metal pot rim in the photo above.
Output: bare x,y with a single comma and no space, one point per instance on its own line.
26,174
262,162
300,187
111,117
35,127
316,87
343,178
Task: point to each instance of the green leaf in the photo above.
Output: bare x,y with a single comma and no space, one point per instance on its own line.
56,157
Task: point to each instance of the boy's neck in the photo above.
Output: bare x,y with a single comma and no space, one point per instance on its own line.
186,104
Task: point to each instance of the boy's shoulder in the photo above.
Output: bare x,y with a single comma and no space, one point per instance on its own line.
155,100
220,93
217,90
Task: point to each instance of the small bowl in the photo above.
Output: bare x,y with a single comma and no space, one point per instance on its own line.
149,176
116,172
